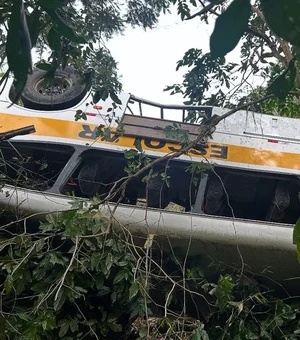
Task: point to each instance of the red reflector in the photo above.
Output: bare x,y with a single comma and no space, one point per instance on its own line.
272,141
91,114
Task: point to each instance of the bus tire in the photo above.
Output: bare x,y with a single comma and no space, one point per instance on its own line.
65,91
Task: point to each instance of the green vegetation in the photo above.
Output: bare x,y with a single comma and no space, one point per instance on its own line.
74,276
267,52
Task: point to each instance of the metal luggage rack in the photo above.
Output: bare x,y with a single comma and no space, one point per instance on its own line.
203,111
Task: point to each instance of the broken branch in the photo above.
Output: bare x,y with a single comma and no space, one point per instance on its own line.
17,132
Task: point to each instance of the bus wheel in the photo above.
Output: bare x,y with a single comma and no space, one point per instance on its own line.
62,91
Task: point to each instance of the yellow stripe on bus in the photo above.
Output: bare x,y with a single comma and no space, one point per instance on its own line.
83,131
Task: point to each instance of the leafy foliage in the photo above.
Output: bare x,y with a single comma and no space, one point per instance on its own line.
282,17
71,33
18,45
205,75
283,84
211,80
227,33
175,131
69,278
75,277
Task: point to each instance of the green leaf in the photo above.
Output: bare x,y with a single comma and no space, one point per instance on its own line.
130,154
115,327
44,66
39,245
8,284
133,290
54,39
52,4
61,298
109,261
229,28
33,21
57,258
283,18
224,291
200,334
63,328
63,28
119,277
99,281
18,47
20,285
96,97
74,325
296,237
80,115
113,297
138,144
2,327
96,228
115,98
40,287
104,291
143,331
39,273
100,94
284,83
23,317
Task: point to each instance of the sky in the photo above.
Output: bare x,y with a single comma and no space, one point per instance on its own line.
147,59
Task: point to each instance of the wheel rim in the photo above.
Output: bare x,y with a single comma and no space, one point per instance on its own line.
52,86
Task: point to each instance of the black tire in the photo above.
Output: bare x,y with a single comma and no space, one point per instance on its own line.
70,91
157,193
89,178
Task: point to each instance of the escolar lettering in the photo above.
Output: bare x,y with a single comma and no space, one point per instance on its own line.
200,150
110,136
219,151
89,133
213,151
154,144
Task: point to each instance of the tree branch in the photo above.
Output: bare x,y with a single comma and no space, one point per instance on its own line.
270,44
204,130
267,55
286,49
206,9
243,106
62,280
17,132
288,56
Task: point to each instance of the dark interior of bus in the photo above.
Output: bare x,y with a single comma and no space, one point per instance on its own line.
32,165
228,192
252,195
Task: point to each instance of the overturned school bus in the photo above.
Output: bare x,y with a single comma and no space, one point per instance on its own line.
243,199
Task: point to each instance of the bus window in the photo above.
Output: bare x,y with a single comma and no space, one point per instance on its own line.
32,165
252,195
99,170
